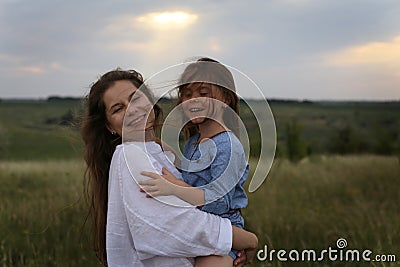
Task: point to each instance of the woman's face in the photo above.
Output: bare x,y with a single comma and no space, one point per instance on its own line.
116,100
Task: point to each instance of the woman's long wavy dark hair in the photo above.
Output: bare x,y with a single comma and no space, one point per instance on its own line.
99,146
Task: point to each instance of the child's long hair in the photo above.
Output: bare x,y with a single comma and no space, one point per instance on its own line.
99,146
209,71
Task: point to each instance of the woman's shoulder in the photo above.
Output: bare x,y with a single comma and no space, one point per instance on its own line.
118,150
128,150
147,146
121,147
138,152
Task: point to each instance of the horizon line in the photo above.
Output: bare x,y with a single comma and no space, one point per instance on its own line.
272,99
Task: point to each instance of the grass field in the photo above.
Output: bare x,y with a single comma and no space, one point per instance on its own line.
42,214
303,205
32,130
308,205
25,133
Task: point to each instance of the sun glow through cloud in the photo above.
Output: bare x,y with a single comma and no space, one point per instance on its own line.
268,40
177,17
168,19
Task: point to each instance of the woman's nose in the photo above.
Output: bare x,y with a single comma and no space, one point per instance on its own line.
131,110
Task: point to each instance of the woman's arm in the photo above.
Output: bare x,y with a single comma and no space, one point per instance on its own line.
161,229
244,240
169,185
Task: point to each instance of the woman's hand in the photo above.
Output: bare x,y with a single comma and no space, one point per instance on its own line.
250,253
159,185
244,257
245,241
241,259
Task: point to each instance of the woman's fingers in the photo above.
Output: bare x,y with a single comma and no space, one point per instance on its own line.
241,259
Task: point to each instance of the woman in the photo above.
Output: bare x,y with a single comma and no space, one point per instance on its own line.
130,229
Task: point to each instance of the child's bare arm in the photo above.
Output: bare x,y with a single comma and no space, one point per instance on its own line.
168,184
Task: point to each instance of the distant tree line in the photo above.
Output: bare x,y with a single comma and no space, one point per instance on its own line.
346,129
345,140
60,98
69,118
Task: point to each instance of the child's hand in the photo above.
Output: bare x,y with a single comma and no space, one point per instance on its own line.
160,185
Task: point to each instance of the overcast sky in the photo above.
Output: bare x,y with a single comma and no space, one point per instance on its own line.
292,49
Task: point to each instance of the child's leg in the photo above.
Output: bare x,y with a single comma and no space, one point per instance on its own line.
213,261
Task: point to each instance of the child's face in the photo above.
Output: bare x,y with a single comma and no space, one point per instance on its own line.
201,101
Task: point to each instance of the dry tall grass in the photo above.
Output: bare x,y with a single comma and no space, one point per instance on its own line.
311,204
308,205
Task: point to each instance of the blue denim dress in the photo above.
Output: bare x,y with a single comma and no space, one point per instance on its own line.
220,168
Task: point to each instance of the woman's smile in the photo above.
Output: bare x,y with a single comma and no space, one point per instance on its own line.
136,122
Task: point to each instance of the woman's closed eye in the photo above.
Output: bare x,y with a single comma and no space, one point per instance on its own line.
116,110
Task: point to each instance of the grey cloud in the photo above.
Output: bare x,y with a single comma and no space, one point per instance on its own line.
269,39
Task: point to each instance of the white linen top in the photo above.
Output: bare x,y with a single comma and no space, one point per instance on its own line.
142,231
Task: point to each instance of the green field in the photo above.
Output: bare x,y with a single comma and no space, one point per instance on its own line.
33,130
36,130
310,205
306,204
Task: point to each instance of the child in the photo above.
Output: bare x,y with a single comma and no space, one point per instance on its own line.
214,157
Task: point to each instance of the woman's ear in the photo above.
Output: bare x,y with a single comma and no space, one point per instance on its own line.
111,130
